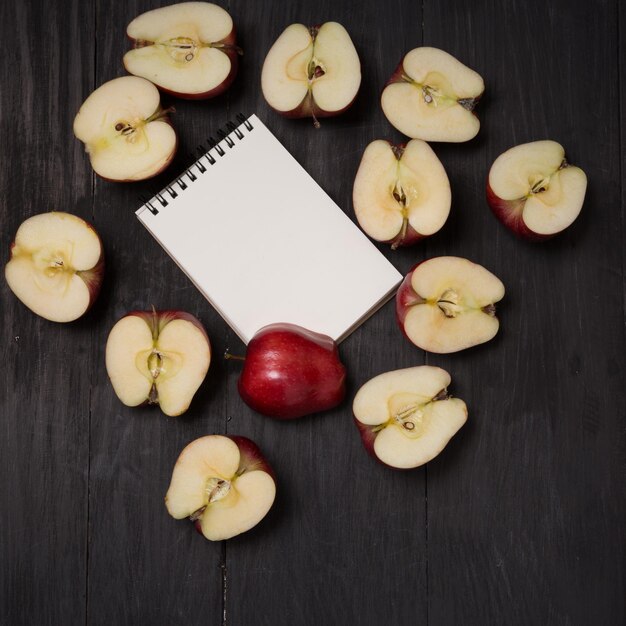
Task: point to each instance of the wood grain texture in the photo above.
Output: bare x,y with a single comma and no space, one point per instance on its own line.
345,541
519,521
44,398
526,510
145,567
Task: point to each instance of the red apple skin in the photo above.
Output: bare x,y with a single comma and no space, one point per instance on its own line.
368,437
92,277
251,456
231,53
290,372
396,76
406,297
509,212
162,318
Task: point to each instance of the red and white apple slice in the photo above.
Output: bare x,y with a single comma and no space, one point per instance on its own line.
406,416
223,484
534,191
311,72
432,96
447,304
186,49
158,357
401,193
56,266
126,133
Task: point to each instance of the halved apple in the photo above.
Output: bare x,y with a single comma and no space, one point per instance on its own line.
432,96
447,304
223,484
401,193
311,72
186,49
125,131
406,416
56,266
158,357
534,191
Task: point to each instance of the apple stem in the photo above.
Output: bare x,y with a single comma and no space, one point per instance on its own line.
227,46
234,357
468,103
312,106
160,114
442,395
400,238
197,514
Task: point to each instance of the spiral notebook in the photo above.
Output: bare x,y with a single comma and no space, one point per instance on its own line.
264,243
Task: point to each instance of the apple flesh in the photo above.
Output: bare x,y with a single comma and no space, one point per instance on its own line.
223,484
534,191
311,72
447,304
126,133
56,266
401,193
406,416
432,96
290,372
158,357
186,49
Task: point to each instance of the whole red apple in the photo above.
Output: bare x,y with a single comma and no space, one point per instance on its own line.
290,372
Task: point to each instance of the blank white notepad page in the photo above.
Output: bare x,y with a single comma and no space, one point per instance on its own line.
264,243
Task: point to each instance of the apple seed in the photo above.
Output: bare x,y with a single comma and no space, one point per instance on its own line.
217,488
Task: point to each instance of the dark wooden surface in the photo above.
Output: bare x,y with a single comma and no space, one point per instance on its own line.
520,521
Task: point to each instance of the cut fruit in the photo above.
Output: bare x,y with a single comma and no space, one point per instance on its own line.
158,357
406,417
126,133
56,266
534,191
186,49
432,96
223,484
311,72
447,304
401,193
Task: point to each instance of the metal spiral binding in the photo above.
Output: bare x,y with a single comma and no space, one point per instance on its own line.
225,135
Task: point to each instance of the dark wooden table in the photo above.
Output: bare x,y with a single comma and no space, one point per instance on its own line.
520,521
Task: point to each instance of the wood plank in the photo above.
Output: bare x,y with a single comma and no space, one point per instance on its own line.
44,398
526,509
145,567
345,541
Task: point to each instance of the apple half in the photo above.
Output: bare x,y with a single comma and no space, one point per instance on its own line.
158,357
223,484
432,96
447,304
125,131
401,193
406,417
56,266
186,49
311,72
534,191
